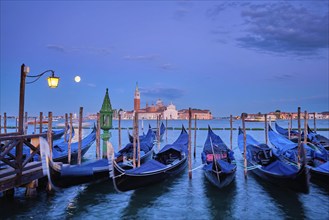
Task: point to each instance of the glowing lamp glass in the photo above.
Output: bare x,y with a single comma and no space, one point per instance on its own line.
53,81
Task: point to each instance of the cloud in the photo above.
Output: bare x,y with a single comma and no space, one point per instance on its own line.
163,93
58,48
141,57
284,77
179,14
91,85
284,28
63,49
167,66
304,98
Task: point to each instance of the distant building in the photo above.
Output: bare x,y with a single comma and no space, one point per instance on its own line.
170,112
200,114
159,109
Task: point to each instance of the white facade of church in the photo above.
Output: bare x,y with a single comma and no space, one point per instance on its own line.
170,112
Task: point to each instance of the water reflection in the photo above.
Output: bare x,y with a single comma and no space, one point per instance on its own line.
219,200
287,200
89,196
144,198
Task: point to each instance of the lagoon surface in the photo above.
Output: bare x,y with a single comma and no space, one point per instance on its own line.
177,198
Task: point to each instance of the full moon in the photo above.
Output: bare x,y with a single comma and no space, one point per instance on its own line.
77,79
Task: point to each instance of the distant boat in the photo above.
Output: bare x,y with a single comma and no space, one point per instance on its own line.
32,122
219,163
168,162
260,118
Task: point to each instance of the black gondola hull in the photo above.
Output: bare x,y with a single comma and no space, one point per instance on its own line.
298,182
125,181
79,177
220,181
320,177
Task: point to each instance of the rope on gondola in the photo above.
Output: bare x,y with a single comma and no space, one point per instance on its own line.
197,167
254,167
251,167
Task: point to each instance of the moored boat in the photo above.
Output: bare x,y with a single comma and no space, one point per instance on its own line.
169,161
219,162
268,166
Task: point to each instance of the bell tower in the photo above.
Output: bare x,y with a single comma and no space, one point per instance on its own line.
137,99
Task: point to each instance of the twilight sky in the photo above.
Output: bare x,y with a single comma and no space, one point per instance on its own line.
226,56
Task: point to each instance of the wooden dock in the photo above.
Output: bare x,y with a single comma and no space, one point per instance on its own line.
18,170
8,177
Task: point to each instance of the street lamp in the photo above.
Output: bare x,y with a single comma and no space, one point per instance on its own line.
52,83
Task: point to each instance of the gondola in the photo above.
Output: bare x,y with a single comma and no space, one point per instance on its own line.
316,156
141,137
57,134
317,139
320,174
125,156
65,175
265,164
169,161
313,137
289,148
162,131
219,162
285,132
60,151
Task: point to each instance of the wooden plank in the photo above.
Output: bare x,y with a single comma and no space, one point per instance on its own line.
31,172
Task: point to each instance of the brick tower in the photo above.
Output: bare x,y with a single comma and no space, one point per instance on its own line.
137,99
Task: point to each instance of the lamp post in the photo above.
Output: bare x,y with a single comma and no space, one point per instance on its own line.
106,114
52,83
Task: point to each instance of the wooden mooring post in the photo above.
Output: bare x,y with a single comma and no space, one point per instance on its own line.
166,130
40,122
138,141
189,144
289,126
194,152
244,144
119,130
231,132
5,123
314,120
158,131
305,126
266,130
66,125
70,140
299,137
50,142
80,135
134,140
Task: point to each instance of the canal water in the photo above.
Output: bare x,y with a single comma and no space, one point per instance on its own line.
179,197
